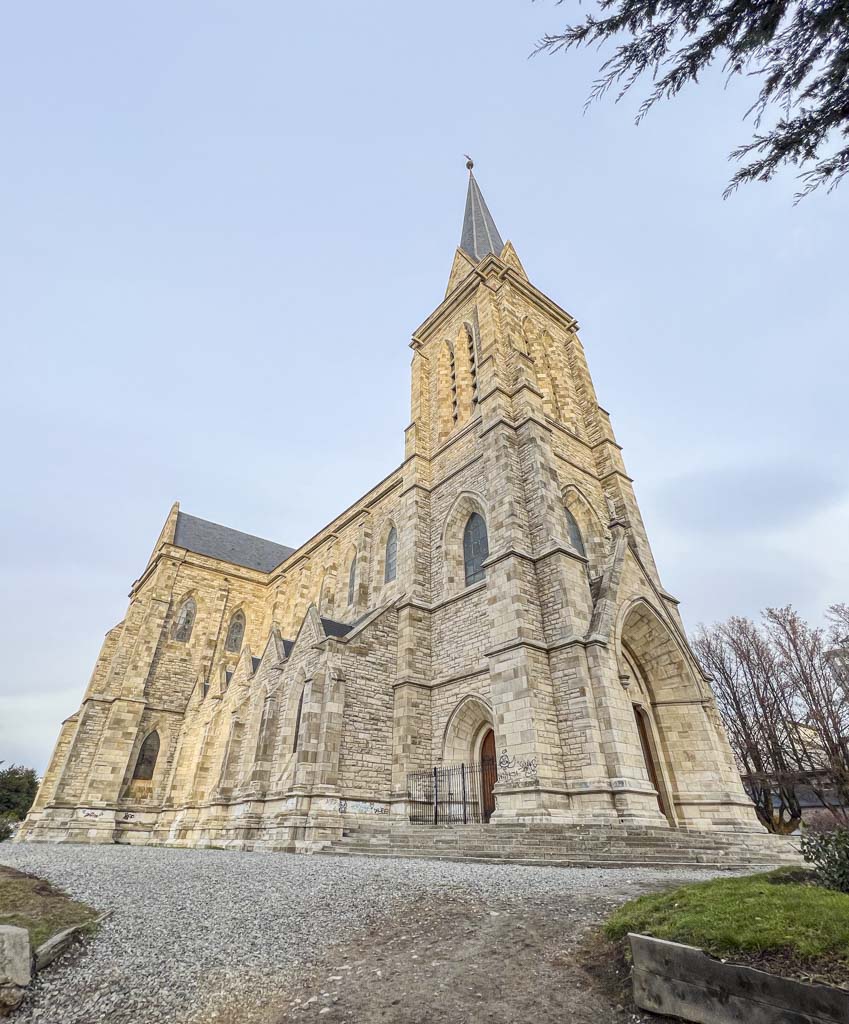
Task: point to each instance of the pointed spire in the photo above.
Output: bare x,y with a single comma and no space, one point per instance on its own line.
480,235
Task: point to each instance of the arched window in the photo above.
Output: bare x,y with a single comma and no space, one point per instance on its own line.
575,538
236,633
146,761
352,580
185,620
390,565
475,548
298,721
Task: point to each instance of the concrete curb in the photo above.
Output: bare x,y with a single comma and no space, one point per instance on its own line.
18,964
676,980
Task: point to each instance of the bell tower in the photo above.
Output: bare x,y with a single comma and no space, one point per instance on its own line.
506,423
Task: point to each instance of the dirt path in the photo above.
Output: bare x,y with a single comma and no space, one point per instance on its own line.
455,959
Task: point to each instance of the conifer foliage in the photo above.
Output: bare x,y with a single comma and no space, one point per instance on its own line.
798,50
18,786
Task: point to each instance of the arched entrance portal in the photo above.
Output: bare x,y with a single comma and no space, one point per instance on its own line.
459,789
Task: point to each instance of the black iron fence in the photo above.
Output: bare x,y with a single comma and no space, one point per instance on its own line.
459,794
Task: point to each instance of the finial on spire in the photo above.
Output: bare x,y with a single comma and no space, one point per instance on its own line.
469,162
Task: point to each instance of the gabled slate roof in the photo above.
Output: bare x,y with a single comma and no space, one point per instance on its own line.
480,235
333,628
214,541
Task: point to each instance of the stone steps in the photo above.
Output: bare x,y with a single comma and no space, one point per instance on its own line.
576,846
565,862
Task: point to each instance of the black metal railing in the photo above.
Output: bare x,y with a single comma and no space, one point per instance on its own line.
459,794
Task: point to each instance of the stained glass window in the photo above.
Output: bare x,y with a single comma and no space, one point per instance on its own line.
236,633
185,621
391,563
146,760
475,548
575,538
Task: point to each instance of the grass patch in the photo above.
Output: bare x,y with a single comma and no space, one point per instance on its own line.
776,912
31,903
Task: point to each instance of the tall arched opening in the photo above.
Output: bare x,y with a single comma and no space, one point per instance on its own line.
666,704
469,768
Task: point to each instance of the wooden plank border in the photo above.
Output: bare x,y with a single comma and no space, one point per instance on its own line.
673,979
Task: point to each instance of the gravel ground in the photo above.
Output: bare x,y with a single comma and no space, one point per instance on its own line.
195,934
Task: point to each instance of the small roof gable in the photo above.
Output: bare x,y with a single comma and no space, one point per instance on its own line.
214,541
333,628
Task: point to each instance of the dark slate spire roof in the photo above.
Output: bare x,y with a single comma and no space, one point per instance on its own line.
214,541
480,235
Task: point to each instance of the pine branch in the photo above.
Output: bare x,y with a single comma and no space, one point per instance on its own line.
798,48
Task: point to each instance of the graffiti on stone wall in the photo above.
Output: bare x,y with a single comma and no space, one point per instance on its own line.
362,807
511,769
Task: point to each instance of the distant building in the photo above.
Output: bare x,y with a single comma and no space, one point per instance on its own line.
805,788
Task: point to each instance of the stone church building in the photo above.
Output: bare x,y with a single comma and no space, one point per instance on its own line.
488,618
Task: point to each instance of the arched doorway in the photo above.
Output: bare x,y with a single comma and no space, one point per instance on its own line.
489,775
466,776
644,730
682,733
646,733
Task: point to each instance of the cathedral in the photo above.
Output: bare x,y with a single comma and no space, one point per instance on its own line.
483,637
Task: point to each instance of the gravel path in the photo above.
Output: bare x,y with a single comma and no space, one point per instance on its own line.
194,932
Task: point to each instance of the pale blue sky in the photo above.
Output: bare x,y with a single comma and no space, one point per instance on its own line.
222,221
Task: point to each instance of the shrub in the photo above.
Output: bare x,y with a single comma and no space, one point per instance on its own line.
18,786
828,851
6,827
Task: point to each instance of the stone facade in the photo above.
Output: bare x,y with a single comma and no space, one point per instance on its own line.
290,691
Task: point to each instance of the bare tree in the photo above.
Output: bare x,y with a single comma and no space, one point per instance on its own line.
785,705
754,710
820,736
837,617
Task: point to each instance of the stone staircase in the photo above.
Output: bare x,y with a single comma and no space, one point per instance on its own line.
568,845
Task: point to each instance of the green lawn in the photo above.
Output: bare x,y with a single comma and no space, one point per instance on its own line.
756,914
34,904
